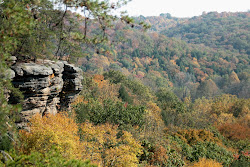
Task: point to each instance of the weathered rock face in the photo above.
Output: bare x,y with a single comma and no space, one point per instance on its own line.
47,86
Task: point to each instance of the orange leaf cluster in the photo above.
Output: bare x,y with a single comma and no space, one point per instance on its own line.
235,131
99,79
160,156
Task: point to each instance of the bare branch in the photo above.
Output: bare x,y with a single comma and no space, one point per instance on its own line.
6,156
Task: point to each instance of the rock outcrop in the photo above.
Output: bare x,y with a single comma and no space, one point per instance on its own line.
47,86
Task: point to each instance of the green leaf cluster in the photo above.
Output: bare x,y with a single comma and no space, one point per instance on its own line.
118,113
51,158
207,149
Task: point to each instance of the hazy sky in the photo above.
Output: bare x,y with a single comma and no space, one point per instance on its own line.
184,8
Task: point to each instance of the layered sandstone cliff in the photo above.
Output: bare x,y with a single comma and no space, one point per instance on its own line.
47,86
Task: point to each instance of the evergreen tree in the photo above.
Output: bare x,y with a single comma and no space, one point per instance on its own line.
123,94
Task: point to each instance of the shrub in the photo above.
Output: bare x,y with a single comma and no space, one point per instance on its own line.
235,131
194,136
103,146
200,149
109,111
212,151
51,131
242,159
203,162
50,158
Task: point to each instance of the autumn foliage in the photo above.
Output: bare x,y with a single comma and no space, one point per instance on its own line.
104,144
160,156
147,99
203,162
235,131
52,131
193,136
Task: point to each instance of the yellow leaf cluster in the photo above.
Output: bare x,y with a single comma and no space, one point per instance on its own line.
223,104
173,62
138,62
135,67
146,61
195,62
155,73
154,125
52,131
192,136
206,163
98,143
203,105
233,78
223,109
106,90
79,99
225,118
104,148
104,61
155,113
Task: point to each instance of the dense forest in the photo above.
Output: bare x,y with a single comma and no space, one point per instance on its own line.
157,91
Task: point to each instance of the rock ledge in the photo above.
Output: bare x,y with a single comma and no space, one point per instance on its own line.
47,86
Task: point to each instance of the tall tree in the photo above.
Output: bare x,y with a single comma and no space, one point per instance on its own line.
233,78
38,28
207,89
